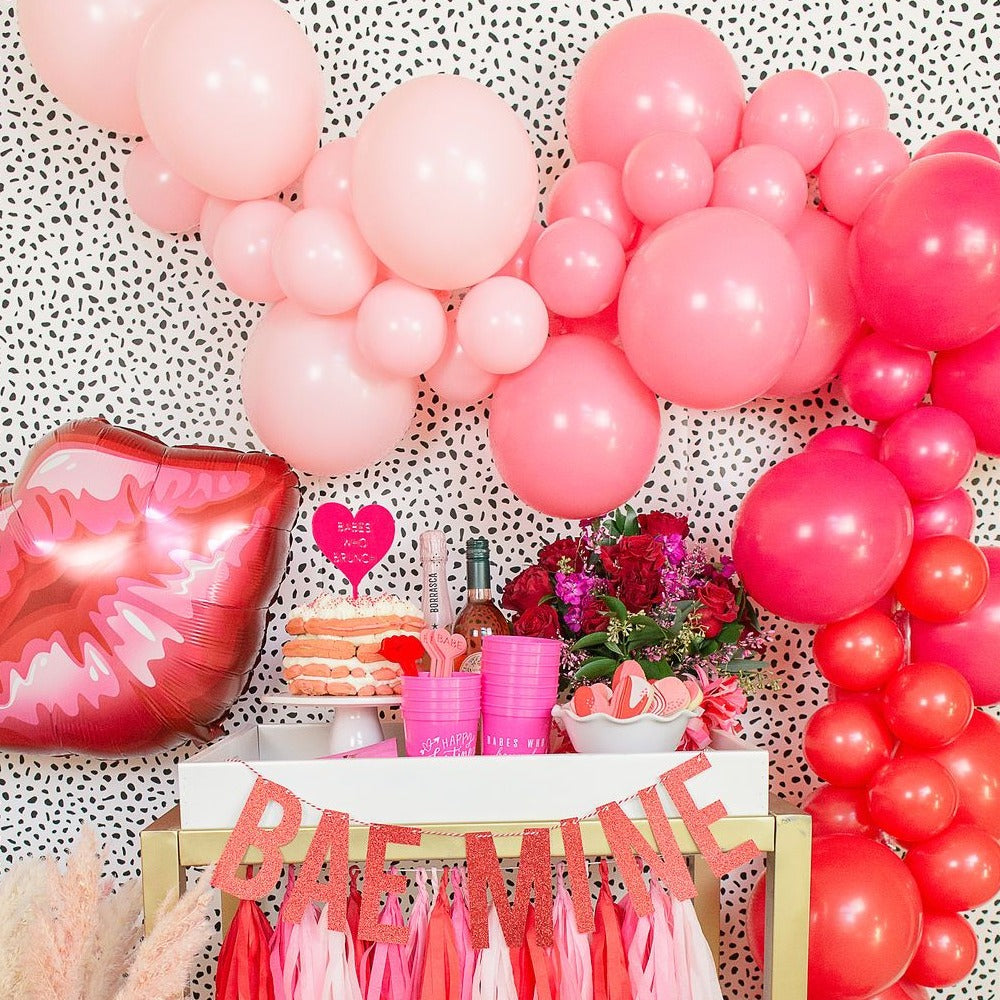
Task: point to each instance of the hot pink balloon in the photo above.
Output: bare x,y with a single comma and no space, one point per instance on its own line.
858,163
577,267
855,439
445,183
951,514
213,211
157,195
603,325
243,247
929,449
882,380
326,182
311,397
579,407
648,74
965,380
322,262
232,94
822,536
861,102
87,54
735,305
401,328
962,140
834,318
502,325
665,175
925,254
517,266
796,110
593,191
454,378
766,181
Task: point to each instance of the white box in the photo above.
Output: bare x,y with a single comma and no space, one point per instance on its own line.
425,791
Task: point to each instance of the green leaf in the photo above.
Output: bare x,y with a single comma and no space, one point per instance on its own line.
631,525
729,634
645,621
748,665
650,636
615,607
656,670
594,639
593,669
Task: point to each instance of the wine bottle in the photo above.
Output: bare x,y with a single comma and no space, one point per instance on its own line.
435,600
480,616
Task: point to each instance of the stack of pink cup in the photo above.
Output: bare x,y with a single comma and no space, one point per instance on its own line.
520,685
441,715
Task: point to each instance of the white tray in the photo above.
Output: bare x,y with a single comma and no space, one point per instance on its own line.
426,791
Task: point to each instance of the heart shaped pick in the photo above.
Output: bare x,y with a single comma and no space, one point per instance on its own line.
354,543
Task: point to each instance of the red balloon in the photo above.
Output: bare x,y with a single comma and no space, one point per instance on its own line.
927,704
855,439
902,991
946,953
873,699
965,380
839,810
134,586
944,578
882,380
846,743
960,140
859,653
951,514
912,799
956,870
925,254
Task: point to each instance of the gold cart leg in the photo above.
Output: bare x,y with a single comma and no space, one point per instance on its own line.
708,904
786,938
162,874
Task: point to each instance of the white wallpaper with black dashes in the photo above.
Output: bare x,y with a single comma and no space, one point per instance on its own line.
99,317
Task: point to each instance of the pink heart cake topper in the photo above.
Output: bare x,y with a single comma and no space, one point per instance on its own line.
354,543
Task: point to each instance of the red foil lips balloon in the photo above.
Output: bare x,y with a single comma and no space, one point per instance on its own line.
134,586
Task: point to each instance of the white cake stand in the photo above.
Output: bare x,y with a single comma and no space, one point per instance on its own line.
355,722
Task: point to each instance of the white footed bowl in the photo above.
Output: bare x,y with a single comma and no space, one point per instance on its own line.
644,734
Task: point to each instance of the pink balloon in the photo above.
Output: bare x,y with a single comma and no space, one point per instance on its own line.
929,449
603,325
766,181
577,267
326,182
648,74
578,408
517,266
858,163
311,397
882,380
401,328
454,378
665,175
855,439
232,94
593,191
795,110
244,244
87,54
157,195
322,262
502,325
213,211
965,380
834,318
962,140
822,536
861,103
735,305
951,514
925,254
445,183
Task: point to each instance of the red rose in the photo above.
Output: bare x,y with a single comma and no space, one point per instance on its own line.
633,565
594,617
527,590
717,607
561,550
659,522
540,622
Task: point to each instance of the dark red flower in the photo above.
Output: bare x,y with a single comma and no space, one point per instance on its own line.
540,622
659,522
717,608
527,589
562,550
594,617
633,565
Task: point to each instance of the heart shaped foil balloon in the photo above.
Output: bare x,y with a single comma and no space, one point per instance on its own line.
134,586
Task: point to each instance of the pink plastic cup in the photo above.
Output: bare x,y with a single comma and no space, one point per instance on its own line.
519,706
520,642
505,735
525,698
439,737
459,690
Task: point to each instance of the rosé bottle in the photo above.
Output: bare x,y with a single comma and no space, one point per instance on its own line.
480,616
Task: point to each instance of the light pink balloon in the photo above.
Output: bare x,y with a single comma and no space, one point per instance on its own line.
157,195
312,398
242,252
951,514
795,110
665,175
861,102
401,328
232,94
86,53
578,408
445,182
855,439
766,181
322,262
517,266
713,308
326,182
502,325
960,140
454,378
856,166
577,266
648,74
213,211
593,191
881,379
834,317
